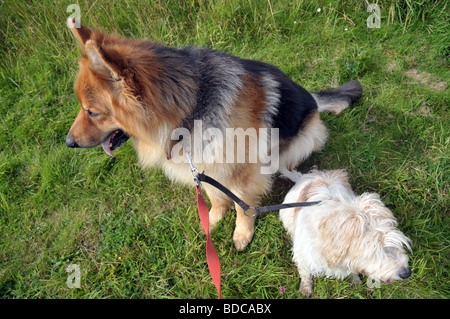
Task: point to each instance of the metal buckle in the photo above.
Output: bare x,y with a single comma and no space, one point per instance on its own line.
254,209
194,170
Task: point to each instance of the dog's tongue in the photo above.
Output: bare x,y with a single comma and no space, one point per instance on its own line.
106,147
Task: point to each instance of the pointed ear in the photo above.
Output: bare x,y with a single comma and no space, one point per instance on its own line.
82,33
100,62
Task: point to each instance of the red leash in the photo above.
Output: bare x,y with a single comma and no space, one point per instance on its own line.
212,258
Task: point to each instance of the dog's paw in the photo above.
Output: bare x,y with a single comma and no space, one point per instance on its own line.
356,280
213,220
216,214
241,238
306,285
306,291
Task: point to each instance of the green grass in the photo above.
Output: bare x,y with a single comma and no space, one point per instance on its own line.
135,234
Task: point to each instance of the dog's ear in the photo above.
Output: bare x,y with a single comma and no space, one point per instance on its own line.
82,33
103,62
372,205
339,233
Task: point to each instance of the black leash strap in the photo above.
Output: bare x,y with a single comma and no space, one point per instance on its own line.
205,178
200,177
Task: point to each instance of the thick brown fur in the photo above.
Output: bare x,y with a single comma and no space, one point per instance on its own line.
147,90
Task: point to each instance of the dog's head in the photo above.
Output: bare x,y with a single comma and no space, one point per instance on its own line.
389,260
100,89
364,239
123,89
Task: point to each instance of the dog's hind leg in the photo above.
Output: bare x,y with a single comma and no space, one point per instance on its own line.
293,175
312,138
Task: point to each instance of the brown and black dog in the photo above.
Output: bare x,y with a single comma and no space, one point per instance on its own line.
146,91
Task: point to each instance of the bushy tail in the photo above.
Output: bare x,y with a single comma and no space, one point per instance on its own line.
338,99
293,175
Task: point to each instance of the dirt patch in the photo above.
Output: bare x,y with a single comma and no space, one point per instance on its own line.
424,110
392,66
427,79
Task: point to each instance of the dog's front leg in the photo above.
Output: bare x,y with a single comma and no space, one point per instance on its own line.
245,227
249,185
306,284
220,205
356,279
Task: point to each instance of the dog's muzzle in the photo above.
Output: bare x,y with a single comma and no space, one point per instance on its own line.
405,273
70,142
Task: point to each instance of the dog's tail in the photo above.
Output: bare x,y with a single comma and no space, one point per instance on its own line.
338,99
293,175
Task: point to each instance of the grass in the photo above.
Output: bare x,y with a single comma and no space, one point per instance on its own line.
133,233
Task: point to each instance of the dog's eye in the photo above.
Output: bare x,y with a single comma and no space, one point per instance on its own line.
92,114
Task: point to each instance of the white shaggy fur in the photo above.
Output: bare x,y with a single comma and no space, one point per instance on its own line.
345,234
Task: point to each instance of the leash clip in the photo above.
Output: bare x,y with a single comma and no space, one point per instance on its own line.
194,170
255,209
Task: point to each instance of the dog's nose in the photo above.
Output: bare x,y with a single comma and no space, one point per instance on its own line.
405,273
70,142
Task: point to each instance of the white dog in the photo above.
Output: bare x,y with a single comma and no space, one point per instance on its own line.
344,234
